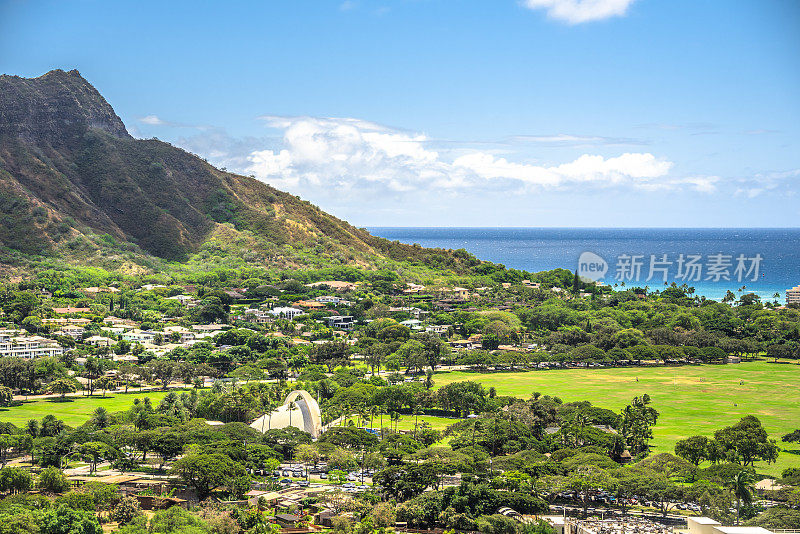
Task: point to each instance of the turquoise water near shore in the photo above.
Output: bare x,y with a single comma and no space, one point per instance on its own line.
538,249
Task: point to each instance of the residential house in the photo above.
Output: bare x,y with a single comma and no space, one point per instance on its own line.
439,329
412,288
99,341
310,304
336,285
286,312
340,322
139,336
329,299
253,315
28,347
185,334
74,332
210,328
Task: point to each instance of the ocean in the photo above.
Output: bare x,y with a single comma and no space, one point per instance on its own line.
764,261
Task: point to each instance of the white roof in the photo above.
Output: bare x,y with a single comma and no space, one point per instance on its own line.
743,530
285,309
704,520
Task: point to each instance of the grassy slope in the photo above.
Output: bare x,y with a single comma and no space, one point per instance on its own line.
74,411
688,406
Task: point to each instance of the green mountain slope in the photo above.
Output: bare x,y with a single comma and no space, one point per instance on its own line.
75,185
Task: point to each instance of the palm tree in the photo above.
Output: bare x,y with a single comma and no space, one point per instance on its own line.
741,485
417,412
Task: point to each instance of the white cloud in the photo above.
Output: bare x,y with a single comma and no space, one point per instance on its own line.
568,140
347,5
578,11
769,182
352,155
153,120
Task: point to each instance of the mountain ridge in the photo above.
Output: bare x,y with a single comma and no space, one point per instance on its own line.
75,184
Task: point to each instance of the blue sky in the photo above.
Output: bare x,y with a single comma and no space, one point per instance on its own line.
464,113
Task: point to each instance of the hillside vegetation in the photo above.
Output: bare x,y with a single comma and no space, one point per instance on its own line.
75,185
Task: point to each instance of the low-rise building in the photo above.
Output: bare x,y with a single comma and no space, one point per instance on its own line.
254,315
336,285
439,329
340,322
706,525
74,332
99,341
210,328
185,334
413,324
27,347
139,336
311,304
286,312
793,295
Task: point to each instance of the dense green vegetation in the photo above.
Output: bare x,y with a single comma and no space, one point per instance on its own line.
456,387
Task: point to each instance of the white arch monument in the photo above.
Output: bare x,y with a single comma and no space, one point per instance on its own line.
305,415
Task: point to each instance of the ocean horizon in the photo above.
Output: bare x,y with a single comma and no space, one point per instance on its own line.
763,261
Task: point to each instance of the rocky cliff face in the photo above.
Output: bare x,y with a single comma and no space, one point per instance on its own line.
53,107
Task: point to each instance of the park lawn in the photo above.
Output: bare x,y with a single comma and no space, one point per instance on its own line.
75,411
692,400
406,422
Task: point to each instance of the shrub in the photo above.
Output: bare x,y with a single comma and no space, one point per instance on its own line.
126,510
53,480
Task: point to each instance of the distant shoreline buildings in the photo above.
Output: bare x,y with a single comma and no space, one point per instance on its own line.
793,295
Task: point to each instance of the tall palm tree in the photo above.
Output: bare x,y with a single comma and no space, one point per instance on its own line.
417,412
741,485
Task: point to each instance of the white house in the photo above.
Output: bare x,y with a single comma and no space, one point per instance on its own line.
100,341
286,312
186,335
28,347
139,336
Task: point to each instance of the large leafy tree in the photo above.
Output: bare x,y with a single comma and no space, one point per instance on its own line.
203,472
747,441
693,449
406,481
637,419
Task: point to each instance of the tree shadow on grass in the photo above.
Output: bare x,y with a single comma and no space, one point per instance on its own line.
61,400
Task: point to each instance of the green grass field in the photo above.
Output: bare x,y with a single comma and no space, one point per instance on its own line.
75,411
692,400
